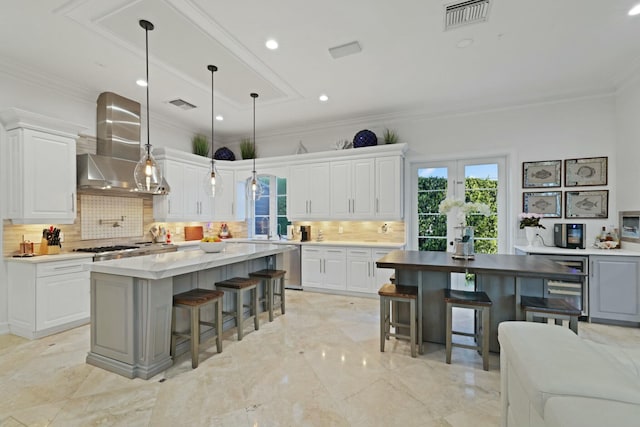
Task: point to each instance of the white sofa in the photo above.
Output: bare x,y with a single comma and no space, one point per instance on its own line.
551,377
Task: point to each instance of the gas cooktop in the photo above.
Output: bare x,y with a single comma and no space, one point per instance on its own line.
103,253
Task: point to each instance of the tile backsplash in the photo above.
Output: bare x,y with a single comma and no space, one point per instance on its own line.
110,217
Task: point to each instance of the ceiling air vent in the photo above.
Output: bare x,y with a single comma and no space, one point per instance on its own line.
181,103
465,13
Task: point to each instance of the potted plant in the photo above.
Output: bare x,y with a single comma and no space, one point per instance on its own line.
390,136
200,145
247,149
530,222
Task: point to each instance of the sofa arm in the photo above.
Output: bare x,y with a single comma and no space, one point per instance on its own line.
570,411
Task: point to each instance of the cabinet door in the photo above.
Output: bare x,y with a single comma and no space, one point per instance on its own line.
61,299
380,275
312,263
45,177
335,269
614,288
298,192
388,178
224,204
319,197
341,194
363,185
359,274
191,192
171,206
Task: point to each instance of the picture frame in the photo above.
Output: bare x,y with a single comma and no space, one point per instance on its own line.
586,204
585,172
630,226
542,174
547,203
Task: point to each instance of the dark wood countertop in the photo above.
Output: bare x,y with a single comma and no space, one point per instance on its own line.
512,265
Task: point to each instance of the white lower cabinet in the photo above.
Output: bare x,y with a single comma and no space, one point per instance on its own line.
614,288
48,297
350,269
324,267
362,273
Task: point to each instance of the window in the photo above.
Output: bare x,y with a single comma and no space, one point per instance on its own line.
270,211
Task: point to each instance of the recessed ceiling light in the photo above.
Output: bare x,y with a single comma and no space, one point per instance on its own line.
323,98
219,118
271,44
141,82
635,10
464,43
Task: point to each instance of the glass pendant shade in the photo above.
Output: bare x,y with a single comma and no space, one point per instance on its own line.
213,182
255,190
148,174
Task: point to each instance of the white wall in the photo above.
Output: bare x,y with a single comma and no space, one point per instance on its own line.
4,287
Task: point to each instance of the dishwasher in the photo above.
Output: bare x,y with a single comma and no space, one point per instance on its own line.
291,263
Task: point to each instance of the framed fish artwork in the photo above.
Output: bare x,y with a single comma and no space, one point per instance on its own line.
586,204
630,226
542,174
548,204
585,172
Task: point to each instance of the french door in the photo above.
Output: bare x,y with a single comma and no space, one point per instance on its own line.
475,180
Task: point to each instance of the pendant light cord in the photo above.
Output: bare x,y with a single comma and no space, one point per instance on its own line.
148,26
254,96
213,69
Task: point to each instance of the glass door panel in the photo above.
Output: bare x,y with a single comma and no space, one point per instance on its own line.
432,225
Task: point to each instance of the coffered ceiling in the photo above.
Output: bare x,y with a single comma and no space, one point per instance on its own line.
526,51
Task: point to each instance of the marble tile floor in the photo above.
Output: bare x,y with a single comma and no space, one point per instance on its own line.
319,365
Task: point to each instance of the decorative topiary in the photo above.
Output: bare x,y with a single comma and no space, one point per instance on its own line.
223,153
200,145
247,149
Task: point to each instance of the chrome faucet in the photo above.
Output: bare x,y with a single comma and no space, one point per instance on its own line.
279,232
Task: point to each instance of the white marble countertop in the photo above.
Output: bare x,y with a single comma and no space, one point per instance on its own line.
160,266
372,244
552,250
63,256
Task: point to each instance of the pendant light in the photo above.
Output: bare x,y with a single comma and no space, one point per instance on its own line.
147,174
213,181
254,189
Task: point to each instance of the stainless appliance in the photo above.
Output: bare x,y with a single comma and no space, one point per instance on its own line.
570,236
305,233
576,292
117,147
104,253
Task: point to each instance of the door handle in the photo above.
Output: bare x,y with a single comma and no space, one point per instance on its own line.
169,206
73,202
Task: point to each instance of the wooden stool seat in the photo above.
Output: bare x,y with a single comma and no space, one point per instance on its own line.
194,300
391,294
274,286
550,308
237,286
481,304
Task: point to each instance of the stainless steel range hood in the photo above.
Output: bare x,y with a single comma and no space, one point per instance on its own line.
117,148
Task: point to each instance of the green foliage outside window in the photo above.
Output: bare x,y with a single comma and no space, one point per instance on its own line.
432,225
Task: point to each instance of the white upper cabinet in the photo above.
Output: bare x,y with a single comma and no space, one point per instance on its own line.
187,200
389,188
352,189
308,191
40,160
229,205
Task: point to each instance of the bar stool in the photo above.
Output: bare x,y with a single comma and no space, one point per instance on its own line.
393,294
481,304
550,308
237,286
272,279
194,300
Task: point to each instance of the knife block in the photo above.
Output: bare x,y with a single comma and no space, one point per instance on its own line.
45,249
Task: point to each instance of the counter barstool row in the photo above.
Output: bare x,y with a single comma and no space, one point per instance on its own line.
196,299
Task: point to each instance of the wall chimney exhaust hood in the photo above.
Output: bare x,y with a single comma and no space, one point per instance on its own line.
117,148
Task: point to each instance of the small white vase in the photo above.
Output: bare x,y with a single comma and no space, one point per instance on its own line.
531,233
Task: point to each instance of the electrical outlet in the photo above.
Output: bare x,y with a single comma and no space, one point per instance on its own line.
340,230
178,230
61,237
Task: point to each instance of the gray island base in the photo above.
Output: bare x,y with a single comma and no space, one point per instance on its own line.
503,277
132,299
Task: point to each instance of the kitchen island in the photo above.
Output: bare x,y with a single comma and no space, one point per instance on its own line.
503,277
132,299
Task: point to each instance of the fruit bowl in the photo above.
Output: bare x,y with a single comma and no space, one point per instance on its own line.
212,246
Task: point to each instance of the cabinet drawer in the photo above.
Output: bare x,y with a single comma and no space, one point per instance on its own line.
359,253
60,267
